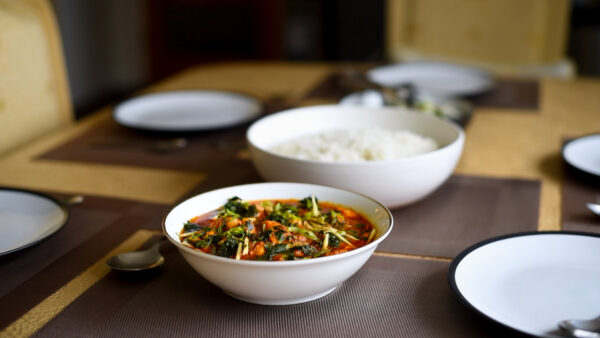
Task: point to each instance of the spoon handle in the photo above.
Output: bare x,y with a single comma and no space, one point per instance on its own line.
158,244
75,199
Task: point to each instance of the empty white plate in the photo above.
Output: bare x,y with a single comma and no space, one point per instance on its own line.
434,78
583,153
27,218
181,111
531,281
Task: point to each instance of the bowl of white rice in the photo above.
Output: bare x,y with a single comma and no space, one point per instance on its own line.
395,156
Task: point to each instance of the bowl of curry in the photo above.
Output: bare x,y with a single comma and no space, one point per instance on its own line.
277,243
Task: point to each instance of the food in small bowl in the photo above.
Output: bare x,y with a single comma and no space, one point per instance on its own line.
395,156
295,242
455,109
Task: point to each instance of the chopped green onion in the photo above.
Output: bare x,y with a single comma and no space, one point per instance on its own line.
315,207
238,254
371,235
245,251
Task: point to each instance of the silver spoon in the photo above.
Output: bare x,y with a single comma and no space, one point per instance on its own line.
582,328
161,146
75,199
138,260
168,145
595,208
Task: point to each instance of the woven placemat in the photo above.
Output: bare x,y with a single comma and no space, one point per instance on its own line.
110,143
388,297
507,93
511,93
464,211
95,226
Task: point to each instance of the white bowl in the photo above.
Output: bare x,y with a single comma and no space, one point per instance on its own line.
280,282
393,182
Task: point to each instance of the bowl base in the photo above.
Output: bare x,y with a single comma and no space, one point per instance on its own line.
280,301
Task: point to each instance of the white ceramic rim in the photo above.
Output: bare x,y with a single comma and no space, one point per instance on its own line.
54,227
483,79
458,129
357,99
275,264
586,141
253,110
472,251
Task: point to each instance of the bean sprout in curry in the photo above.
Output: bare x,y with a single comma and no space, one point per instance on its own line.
277,230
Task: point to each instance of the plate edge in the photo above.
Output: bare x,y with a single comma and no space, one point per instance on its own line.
58,202
456,261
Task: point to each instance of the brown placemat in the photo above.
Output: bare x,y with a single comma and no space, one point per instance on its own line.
511,93
388,297
111,143
95,226
332,87
507,93
577,190
464,211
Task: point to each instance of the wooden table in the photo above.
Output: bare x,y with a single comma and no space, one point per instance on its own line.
500,143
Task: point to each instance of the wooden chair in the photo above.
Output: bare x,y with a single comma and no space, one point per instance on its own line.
511,37
34,93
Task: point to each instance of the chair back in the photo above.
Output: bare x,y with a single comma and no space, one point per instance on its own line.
34,93
512,37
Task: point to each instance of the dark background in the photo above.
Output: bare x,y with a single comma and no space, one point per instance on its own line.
114,47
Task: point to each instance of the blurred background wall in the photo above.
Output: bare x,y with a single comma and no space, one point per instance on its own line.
115,47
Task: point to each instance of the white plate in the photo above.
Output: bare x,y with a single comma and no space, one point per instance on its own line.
531,281
187,110
434,78
583,153
27,218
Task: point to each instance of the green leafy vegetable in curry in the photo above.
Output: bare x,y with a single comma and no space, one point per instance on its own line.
277,229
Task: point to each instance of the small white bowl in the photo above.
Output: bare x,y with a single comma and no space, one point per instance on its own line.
281,282
395,183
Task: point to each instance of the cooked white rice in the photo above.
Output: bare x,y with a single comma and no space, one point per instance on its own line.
357,145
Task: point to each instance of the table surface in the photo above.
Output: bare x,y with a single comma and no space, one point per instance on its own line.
500,143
